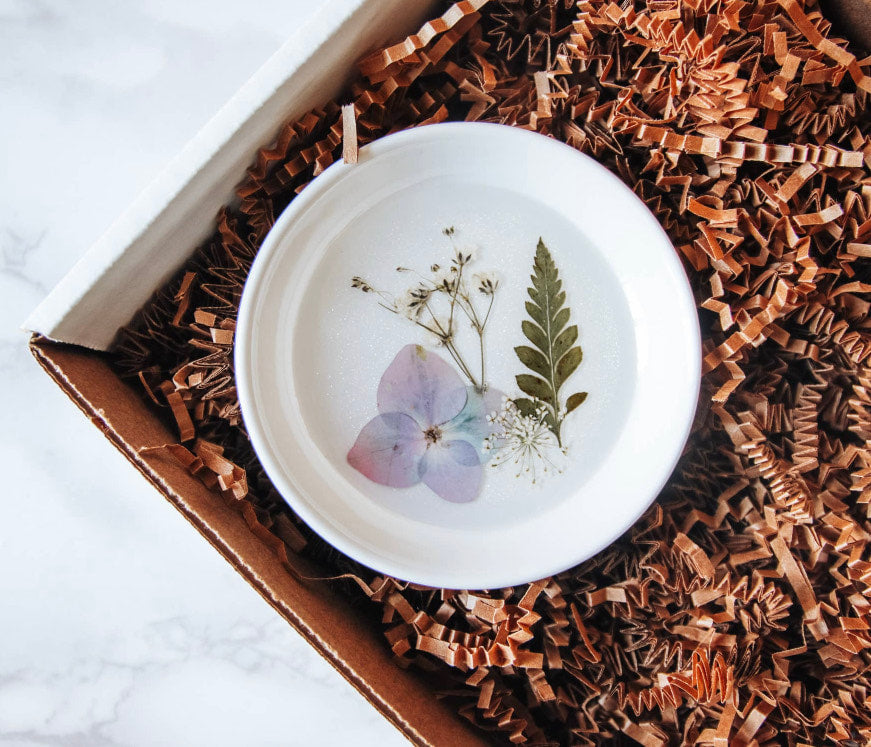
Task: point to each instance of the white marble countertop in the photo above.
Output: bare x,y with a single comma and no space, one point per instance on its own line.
120,625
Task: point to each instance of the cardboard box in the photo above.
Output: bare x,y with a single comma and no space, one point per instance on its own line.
143,250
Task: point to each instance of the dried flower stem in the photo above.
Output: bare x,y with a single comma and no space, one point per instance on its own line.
447,340
453,283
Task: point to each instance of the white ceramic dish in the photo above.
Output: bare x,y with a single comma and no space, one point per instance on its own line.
379,434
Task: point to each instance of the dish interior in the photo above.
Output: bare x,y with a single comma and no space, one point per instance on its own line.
338,342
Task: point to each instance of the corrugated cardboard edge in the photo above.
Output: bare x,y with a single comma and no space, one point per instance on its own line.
420,716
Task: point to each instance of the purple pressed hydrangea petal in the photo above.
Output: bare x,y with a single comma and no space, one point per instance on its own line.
422,385
452,470
388,450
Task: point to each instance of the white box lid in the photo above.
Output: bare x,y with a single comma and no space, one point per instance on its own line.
152,239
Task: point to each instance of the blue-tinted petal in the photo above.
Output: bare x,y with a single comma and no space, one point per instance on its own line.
473,422
452,470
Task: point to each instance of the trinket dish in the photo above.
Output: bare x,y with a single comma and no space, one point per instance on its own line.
469,360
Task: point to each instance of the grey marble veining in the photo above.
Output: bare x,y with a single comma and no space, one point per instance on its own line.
119,624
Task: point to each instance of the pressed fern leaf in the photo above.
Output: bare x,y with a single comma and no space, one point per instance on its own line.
553,356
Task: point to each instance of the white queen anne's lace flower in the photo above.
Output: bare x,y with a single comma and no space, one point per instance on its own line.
525,441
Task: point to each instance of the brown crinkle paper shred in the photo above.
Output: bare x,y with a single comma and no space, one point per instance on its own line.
736,611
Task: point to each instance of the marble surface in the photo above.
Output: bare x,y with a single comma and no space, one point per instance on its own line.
119,624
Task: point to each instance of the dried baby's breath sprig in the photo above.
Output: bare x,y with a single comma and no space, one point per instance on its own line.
450,283
485,282
414,302
446,280
463,255
386,301
444,332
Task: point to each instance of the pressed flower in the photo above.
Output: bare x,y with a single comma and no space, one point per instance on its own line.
440,303
522,440
431,428
413,302
446,279
485,282
360,283
464,254
434,429
441,327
